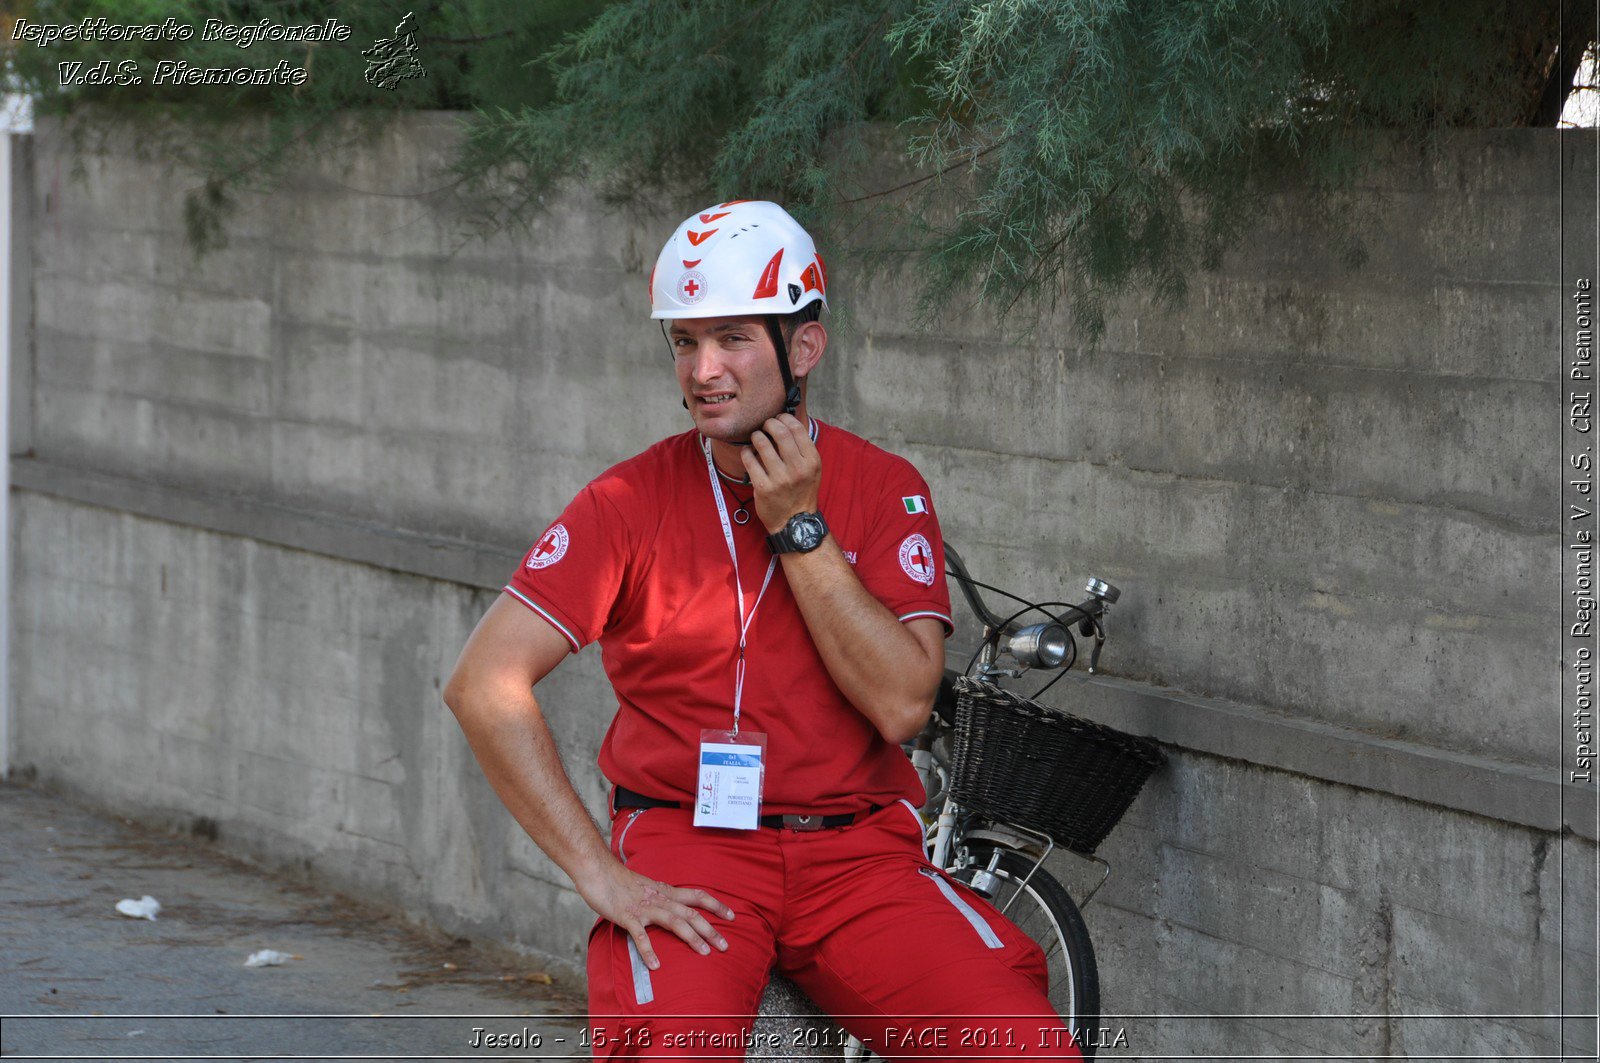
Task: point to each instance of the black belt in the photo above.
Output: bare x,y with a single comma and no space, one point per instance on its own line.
623,797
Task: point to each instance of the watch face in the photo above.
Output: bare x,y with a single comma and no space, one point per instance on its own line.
807,531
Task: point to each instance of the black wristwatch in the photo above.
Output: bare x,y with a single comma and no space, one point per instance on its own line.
803,534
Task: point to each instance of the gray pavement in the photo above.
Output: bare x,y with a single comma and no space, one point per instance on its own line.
79,981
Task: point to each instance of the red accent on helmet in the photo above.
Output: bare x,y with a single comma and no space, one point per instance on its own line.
811,279
652,286
734,202
768,286
823,266
707,219
699,238
691,265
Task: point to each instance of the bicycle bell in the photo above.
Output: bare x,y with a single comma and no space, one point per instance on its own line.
1106,592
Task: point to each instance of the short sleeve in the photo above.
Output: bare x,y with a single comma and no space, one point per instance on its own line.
573,574
902,561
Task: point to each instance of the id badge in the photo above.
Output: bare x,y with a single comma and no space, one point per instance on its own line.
731,769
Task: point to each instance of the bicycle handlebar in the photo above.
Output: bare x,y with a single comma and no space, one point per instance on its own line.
1085,616
953,562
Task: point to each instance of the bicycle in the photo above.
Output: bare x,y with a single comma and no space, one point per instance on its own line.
1010,781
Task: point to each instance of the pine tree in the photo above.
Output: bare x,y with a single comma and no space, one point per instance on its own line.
1020,151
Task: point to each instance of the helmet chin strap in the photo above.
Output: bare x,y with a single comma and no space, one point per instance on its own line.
791,387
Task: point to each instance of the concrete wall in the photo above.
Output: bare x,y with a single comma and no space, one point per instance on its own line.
271,492
291,698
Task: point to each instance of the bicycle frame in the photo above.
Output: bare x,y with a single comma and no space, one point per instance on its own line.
949,833
955,829
953,825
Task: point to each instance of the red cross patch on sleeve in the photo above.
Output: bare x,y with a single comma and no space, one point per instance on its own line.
916,558
549,549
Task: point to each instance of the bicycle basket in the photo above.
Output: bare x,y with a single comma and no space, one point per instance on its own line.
1018,761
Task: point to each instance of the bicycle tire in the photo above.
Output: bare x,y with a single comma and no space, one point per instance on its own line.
1044,910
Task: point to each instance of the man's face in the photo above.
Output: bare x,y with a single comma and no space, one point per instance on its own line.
729,374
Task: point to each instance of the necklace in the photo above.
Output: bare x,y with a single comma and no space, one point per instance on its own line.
742,514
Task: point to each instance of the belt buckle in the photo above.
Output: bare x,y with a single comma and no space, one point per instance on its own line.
797,822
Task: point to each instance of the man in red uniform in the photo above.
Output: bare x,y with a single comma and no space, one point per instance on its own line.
769,598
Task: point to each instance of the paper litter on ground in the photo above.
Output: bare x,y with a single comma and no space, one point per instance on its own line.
145,907
268,958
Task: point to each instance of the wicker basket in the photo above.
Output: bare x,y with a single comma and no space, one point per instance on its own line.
1021,762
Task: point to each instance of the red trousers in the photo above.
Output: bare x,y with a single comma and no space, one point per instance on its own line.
906,958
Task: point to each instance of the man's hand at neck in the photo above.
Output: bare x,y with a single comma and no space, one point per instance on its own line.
784,469
729,457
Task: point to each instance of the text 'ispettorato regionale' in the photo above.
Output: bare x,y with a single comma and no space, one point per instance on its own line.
178,71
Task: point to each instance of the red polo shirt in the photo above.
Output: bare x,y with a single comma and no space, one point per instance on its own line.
638,561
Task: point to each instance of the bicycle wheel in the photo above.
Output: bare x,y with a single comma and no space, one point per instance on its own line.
1042,909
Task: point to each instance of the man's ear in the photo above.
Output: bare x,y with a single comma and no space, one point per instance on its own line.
806,347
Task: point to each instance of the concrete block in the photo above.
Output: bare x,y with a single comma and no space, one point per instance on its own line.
160,373
140,436
1565,896
1189,558
416,392
338,453
1293,917
130,309
1467,966
1474,234
83,253
1323,428
203,770
1134,851
1206,975
318,373
1466,869
329,290
1079,514
373,815
275,790
1294,825
1128,960
243,267
115,308
1431,1035
104,187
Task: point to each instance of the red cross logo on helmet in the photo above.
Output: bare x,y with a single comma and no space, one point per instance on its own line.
692,286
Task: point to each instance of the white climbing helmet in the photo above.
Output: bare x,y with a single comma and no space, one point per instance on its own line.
737,258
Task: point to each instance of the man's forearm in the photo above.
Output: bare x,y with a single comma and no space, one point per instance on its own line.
880,665
870,655
513,744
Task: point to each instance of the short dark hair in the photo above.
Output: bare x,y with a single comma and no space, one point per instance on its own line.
789,322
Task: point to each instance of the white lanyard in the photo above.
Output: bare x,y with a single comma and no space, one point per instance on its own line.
733,553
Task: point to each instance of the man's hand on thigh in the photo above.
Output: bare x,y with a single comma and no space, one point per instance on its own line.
633,902
696,1001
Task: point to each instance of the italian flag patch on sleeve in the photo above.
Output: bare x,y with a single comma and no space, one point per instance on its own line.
915,504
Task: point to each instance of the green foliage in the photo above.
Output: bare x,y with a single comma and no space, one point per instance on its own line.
245,137
1131,165
1068,149
717,95
1020,152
